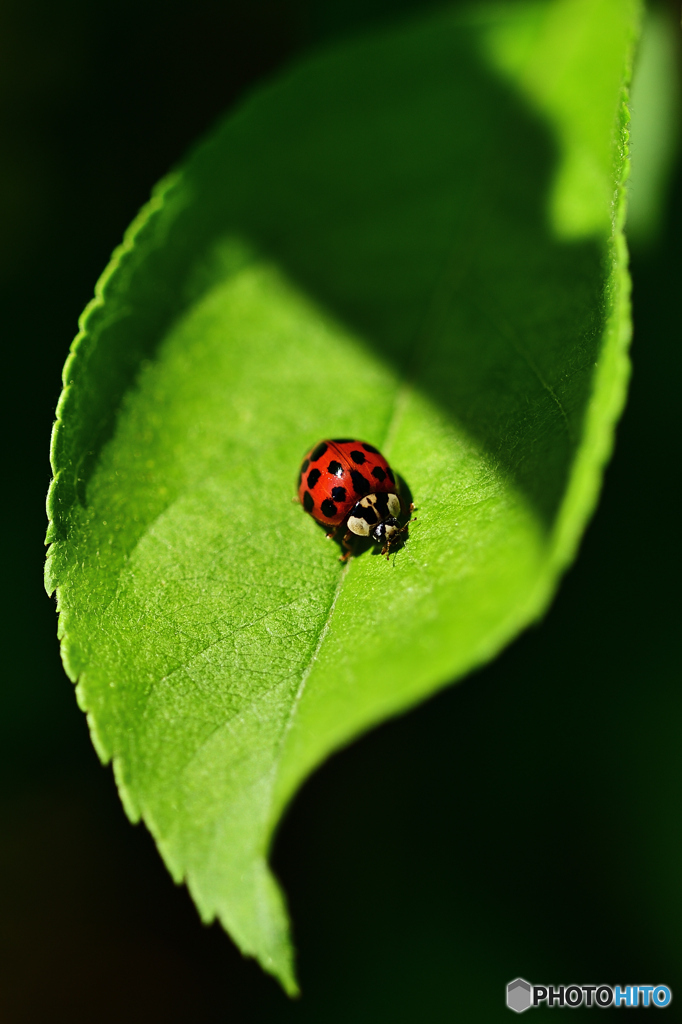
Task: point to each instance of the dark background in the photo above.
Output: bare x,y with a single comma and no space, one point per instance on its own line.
525,822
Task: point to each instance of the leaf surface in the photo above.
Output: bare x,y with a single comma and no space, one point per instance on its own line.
415,239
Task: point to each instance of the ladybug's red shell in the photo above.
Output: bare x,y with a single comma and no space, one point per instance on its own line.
335,475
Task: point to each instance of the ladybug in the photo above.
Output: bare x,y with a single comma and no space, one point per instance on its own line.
349,486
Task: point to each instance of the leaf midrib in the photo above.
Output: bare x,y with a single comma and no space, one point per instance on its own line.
277,760
439,298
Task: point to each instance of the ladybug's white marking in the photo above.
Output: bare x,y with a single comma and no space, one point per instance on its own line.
358,526
394,505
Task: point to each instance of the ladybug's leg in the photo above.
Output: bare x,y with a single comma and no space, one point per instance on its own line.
403,528
412,519
346,541
386,550
334,531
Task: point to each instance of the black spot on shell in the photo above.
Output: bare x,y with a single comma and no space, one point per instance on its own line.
370,448
329,508
335,468
319,451
378,473
308,503
390,474
313,476
306,463
339,493
360,483
358,457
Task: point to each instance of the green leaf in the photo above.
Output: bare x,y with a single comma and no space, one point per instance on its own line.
655,127
414,239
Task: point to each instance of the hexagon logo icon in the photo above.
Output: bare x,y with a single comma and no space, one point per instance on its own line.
518,995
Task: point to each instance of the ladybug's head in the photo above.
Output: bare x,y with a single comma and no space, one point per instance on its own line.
386,532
